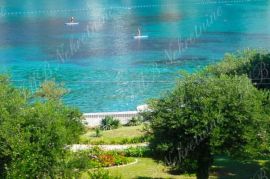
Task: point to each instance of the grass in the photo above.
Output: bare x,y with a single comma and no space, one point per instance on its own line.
145,168
122,135
224,168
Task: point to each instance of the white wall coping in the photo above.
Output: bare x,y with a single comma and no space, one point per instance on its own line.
110,113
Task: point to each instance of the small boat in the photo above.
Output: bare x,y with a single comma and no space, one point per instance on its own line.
72,23
141,37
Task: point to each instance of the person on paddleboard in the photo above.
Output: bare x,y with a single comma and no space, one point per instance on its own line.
72,19
138,32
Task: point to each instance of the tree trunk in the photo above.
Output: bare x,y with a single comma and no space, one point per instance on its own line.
204,160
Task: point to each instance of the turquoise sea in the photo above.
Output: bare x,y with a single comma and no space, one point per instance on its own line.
100,62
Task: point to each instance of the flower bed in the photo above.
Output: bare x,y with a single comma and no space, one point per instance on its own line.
96,158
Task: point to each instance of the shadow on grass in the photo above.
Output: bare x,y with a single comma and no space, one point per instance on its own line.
147,178
225,168
266,169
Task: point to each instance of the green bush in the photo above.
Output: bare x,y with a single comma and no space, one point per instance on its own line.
101,174
253,63
133,140
34,132
98,132
135,121
119,157
81,160
138,152
109,123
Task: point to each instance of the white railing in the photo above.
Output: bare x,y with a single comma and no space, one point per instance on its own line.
94,119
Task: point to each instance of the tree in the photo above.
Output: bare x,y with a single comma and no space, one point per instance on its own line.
34,135
10,103
253,63
256,65
205,115
50,90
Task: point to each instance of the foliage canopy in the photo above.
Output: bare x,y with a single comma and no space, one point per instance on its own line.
217,111
34,135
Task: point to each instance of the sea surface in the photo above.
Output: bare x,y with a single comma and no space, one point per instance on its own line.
100,62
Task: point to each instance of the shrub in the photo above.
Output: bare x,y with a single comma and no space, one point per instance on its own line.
135,121
138,152
81,160
136,140
119,157
34,133
107,160
109,123
98,132
147,128
253,63
101,174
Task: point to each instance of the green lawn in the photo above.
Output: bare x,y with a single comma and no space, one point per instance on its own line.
145,168
227,168
116,136
224,168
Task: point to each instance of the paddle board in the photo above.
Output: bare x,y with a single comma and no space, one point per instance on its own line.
72,23
141,37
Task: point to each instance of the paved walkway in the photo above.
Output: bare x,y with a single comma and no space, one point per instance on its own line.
78,147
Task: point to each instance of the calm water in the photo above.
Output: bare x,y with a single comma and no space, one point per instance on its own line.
101,64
